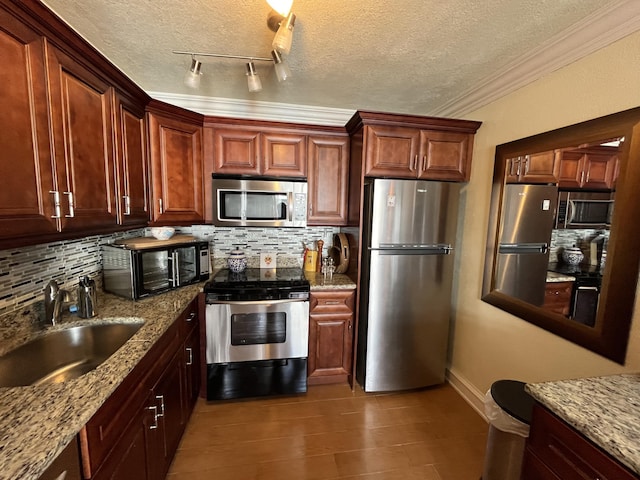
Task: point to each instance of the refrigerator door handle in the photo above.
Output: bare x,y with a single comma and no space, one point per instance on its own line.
399,249
523,248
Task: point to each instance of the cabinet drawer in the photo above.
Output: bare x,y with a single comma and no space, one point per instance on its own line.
567,453
332,302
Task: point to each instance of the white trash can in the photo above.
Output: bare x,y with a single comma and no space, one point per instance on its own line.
508,408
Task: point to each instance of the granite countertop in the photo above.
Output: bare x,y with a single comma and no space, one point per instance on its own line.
555,277
606,410
340,281
38,422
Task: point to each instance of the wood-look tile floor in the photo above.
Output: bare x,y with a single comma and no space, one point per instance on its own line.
332,433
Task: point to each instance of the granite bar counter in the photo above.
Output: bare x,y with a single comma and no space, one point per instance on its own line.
38,422
555,277
606,410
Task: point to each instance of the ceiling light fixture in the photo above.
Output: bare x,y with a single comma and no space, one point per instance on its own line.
192,77
253,79
283,7
284,36
280,66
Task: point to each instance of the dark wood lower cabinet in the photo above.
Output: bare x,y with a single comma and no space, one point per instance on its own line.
554,451
135,434
330,336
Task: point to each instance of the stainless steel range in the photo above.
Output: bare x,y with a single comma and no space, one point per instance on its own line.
257,331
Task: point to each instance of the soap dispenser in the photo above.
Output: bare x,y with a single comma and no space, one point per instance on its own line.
87,297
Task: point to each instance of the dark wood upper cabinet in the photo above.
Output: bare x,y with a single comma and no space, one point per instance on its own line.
26,206
236,151
284,154
249,151
131,141
408,146
328,180
540,167
175,142
81,120
588,168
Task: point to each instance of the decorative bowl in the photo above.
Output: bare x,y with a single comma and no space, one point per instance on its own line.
162,233
236,261
572,256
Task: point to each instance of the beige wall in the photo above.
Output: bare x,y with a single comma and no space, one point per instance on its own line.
489,344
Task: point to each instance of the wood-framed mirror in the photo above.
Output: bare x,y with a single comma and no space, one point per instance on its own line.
607,333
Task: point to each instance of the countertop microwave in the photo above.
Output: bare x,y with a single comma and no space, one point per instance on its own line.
258,202
581,209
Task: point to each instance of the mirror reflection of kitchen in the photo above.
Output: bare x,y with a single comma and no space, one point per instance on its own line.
553,235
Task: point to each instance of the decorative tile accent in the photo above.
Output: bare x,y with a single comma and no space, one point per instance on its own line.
24,272
581,238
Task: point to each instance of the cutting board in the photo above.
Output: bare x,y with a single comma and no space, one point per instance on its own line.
140,243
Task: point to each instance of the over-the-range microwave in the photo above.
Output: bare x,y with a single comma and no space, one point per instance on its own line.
258,202
137,272
582,209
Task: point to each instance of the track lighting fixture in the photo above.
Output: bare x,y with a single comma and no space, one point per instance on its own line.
281,20
253,79
192,77
284,36
280,66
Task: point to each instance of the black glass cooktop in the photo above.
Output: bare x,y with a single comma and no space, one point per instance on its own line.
257,284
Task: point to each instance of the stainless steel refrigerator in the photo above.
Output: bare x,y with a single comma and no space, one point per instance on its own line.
525,234
406,276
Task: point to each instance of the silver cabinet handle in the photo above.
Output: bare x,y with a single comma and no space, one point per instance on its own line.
191,316
424,163
160,205
161,398
155,417
582,178
190,352
333,302
310,209
56,203
414,165
71,206
519,161
127,204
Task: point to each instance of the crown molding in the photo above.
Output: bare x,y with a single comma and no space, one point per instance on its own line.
257,110
596,31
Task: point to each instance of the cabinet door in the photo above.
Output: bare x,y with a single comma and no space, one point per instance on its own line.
330,347
330,336
391,151
540,168
26,206
328,180
168,394
81,119
284,154
557,297
445,156
192,370
571,171
176,171
129,457
133,205
236,152
599,170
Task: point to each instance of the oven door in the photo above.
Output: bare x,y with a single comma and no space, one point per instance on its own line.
245,331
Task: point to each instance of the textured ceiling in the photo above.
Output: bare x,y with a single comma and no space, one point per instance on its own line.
406,56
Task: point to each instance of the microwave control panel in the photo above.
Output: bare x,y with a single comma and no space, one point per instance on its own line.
300,207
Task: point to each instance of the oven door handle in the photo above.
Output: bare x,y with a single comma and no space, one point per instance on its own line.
255,302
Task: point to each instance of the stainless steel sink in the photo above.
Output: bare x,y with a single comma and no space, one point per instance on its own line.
63,355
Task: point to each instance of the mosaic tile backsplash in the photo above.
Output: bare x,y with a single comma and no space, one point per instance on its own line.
25,271
581,238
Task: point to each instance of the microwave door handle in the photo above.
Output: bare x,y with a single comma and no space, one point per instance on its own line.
173,260
290,200
176,268
570,211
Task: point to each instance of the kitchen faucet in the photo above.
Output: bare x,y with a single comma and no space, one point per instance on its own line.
54,296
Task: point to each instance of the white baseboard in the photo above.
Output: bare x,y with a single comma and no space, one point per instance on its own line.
473,396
